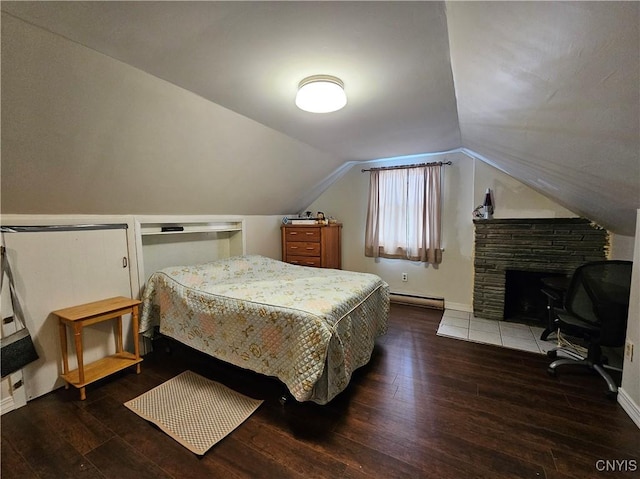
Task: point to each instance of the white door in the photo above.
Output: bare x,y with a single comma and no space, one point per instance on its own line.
58,269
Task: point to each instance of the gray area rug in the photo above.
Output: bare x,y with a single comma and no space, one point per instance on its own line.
193,410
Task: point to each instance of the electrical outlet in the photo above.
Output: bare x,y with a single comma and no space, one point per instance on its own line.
628,350
405,277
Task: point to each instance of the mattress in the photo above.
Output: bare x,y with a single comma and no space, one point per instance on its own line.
309,327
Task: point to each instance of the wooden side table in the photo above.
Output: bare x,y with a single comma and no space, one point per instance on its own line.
77,317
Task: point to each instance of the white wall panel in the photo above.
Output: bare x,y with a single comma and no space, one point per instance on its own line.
58,269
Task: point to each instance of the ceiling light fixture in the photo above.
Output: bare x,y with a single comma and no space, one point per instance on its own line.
321,94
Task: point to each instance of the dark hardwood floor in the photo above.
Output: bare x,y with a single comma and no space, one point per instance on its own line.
425,406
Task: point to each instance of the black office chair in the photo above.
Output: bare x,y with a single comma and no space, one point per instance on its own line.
595,311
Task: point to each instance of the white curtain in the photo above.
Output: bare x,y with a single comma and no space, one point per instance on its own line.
403,219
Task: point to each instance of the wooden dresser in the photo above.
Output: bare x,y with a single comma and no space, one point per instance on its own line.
312,245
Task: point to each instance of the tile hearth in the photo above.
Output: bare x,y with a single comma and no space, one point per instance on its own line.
465,326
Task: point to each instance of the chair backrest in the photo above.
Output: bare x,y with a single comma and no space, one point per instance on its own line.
599,294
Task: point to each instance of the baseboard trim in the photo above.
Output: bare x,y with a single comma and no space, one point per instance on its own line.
415,300
467,308
629,406
7,405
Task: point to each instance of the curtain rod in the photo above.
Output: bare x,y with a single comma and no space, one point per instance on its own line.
415,165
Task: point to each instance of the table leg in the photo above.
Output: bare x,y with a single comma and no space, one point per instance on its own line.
63,349
136,344
119,345
77,332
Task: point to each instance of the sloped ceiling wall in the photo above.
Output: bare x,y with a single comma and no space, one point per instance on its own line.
545,91
250,56
549,93
83,133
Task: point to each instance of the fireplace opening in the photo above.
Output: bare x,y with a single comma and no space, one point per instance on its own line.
524,300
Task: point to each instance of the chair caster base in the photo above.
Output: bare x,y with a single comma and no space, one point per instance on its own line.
546,333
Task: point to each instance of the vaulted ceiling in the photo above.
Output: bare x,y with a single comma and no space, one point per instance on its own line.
546,91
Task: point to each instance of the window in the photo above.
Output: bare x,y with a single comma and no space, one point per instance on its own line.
403,219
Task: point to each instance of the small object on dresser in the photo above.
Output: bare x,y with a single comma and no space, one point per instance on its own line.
321,218
303,222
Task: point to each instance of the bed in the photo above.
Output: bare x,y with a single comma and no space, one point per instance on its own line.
309,327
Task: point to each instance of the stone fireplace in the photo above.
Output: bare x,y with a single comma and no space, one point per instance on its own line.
540,246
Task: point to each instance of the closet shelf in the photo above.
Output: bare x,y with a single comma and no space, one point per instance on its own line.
157,229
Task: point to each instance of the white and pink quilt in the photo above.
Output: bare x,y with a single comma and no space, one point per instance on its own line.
309,327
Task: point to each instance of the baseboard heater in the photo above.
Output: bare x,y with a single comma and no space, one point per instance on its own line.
414,300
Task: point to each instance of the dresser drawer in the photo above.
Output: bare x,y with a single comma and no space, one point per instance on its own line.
297,248
302,234
305,260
